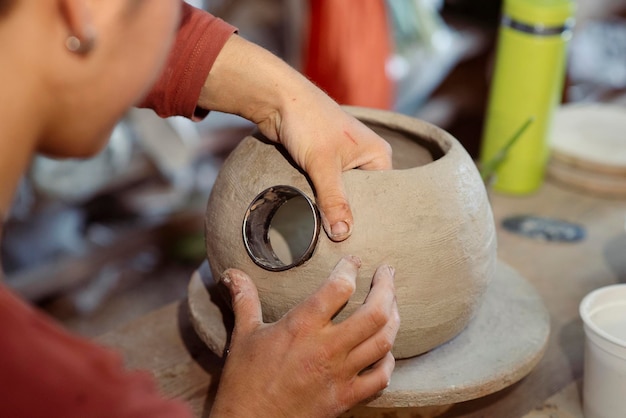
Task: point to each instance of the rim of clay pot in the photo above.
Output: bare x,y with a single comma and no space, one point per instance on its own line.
434,140
257,224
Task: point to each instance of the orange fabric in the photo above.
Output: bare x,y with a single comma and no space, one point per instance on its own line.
200,38
348,45
46,372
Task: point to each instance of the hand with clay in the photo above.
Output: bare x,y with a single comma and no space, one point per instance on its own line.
322,139
304,365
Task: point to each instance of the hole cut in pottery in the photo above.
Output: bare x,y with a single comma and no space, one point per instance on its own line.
280,228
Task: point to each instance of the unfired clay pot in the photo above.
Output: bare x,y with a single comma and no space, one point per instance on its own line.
429,217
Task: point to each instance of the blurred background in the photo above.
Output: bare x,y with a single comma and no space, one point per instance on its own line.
99,242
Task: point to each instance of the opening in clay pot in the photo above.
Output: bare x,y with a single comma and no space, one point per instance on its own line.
280,228
410,150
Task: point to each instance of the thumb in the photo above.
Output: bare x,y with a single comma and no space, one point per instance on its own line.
333,203
244,299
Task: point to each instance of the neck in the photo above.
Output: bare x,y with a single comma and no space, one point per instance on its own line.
19,133
17,146
22,109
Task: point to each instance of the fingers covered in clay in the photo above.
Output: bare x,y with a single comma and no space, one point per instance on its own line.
372,329
334,293
304,364
244,299
320,136
333,204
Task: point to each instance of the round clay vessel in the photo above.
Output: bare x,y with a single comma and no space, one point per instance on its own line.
429,217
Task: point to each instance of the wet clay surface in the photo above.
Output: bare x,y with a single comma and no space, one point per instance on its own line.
429,217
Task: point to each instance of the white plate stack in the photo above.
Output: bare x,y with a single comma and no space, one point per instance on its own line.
588,148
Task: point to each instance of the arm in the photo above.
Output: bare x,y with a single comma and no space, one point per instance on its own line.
210,68
249,81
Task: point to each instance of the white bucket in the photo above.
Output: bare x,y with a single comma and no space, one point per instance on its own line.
603,312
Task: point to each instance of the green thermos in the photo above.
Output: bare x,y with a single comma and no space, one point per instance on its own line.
527,83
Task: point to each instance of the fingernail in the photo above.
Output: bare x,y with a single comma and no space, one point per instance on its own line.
340,229
392,271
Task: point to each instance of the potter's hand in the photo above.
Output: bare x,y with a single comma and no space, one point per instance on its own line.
325,141
322,139
304,365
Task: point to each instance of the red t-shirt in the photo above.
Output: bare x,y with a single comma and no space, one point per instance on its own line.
47,372
199,41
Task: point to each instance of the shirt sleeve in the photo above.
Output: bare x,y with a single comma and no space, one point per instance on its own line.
45,371
200,38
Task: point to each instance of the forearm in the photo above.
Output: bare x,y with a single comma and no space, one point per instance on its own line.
251,82
322,139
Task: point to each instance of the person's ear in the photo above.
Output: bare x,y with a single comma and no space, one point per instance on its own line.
82,35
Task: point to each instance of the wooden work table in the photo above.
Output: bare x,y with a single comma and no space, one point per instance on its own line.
563,273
